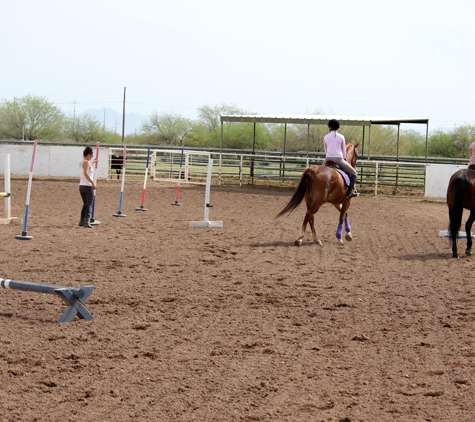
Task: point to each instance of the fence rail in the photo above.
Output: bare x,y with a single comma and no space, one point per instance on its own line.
234,168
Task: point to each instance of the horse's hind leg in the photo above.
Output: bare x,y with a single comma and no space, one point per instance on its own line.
314,234
298,242
309,219
468,230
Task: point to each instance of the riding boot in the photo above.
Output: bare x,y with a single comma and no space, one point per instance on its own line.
352,192
83,216
87,222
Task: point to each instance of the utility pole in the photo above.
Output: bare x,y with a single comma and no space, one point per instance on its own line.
74,119
123,118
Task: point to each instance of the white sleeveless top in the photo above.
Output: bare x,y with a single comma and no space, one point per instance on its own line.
83,181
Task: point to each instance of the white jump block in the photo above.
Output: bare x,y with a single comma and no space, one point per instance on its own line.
207,224
8,219
461,235
11,220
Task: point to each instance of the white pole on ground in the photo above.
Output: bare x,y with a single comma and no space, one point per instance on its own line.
206,222
460,235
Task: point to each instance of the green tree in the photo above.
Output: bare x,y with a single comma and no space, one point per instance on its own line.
167,129
463,136
84,129
291,137
241,136
412,143
210,115
451,144
383,141
200,137
30,118
441,145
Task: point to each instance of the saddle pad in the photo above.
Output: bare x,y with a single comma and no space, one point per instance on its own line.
346,178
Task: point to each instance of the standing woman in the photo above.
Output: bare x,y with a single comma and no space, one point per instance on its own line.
86,187
471,163
335,150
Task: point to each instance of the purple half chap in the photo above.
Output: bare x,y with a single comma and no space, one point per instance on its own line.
338,231
347,225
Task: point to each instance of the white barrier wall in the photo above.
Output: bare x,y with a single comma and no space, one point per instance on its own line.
437,179
55,161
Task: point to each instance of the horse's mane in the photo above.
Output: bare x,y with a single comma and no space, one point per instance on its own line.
350,146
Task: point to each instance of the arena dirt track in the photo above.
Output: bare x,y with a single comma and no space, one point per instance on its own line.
237,323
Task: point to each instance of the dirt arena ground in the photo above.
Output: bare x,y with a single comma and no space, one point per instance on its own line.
235,323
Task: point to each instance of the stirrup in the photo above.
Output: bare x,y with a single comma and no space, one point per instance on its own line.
352,194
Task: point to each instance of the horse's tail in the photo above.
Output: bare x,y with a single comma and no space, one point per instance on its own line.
299,193
455,214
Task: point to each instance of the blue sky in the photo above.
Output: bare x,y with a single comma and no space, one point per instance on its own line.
412,59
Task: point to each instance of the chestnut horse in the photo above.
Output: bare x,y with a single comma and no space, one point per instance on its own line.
320,184
460,195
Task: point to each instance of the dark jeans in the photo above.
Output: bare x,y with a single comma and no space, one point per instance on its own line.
87,196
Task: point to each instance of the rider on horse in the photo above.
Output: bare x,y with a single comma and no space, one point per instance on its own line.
335,150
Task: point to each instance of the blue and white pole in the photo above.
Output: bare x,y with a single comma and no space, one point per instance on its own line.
24,234
119,212
177,196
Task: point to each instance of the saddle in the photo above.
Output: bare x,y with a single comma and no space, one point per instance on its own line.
335,166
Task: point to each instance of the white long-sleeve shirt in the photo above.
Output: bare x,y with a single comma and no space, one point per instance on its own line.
334,144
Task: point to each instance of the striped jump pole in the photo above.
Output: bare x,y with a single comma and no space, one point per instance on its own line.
141,208
73,298
119,212
24,234
93,221
206,222
177,196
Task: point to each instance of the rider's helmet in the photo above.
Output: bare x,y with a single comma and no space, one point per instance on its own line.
334,124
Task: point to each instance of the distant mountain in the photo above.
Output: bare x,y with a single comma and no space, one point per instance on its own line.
112,120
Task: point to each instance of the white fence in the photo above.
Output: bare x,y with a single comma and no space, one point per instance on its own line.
230,168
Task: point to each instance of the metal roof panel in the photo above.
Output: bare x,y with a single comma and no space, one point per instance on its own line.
319,119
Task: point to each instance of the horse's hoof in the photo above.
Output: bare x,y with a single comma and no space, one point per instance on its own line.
348,236
468,252
298,242
455,255
319,242
339,241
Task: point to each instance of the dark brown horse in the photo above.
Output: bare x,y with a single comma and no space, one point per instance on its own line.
320,184
460,195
